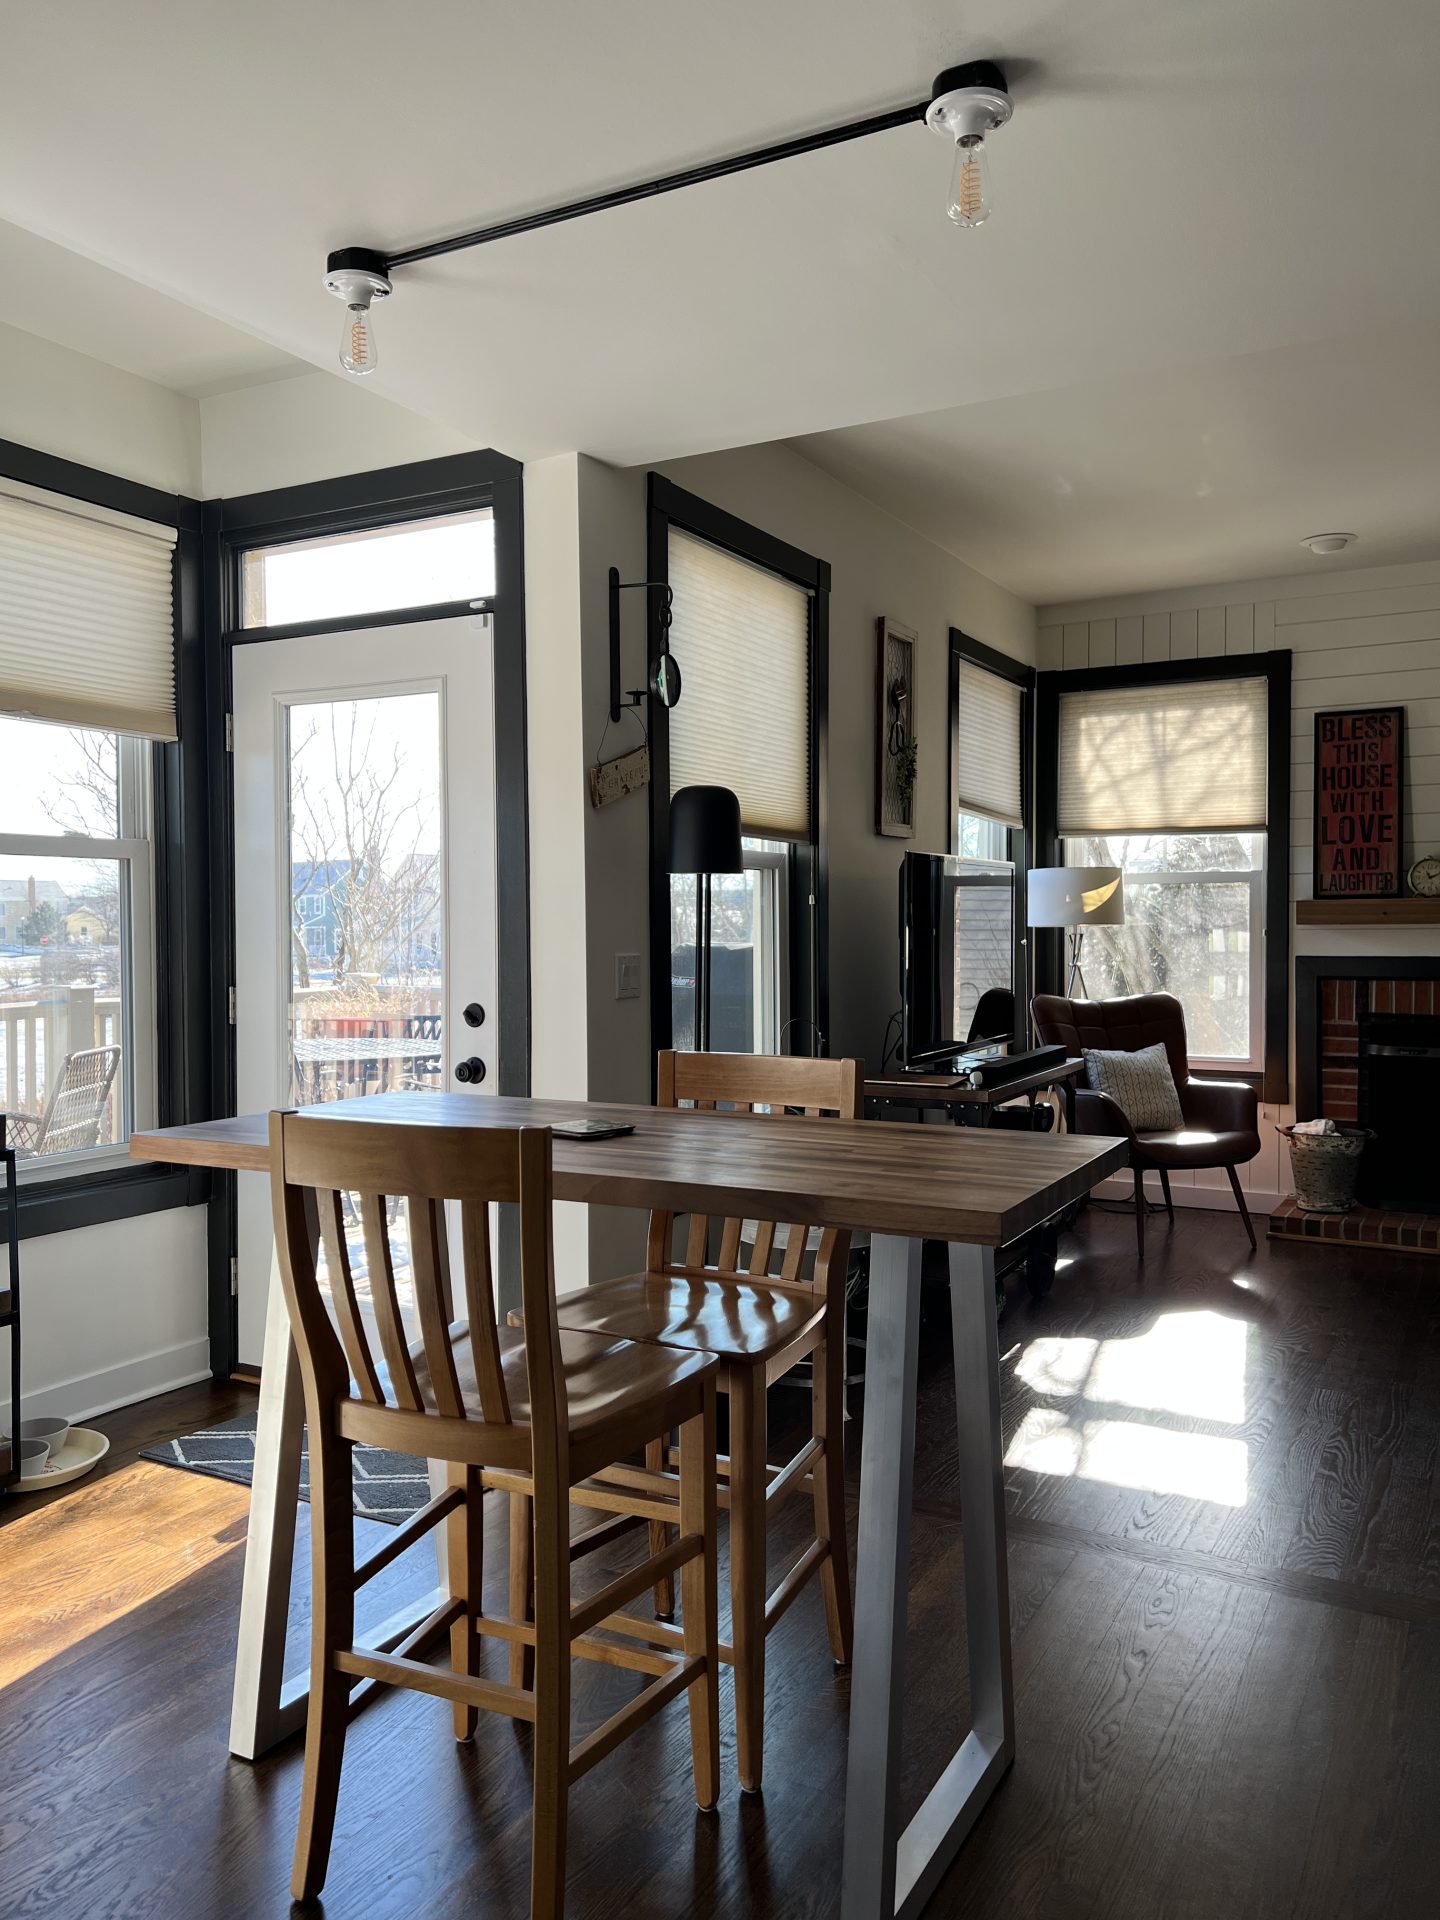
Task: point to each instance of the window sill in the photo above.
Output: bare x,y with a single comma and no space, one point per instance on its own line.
92,1200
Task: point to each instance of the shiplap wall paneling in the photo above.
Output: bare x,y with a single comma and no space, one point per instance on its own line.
1076,644
1155,638
1184,634
1129,640
1102,643
1210,631
1240,628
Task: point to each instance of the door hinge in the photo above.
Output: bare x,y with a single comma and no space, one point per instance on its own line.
234,1276
229,733
230,1005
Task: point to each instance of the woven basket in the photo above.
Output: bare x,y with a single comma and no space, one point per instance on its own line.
1326,1167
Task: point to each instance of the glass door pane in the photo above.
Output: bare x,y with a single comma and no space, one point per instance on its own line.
365,895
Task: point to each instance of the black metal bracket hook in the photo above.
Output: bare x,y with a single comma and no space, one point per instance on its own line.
632,698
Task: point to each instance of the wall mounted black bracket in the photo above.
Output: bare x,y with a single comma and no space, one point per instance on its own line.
632,698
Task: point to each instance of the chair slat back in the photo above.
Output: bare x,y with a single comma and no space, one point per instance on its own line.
749,1083
346,1351
77,1100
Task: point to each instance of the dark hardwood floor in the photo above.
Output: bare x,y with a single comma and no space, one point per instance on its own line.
1225,1577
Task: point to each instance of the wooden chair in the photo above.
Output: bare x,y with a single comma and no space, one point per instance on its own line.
76,1106
721,1297
545,1409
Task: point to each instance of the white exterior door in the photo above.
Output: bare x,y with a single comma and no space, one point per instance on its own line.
365,944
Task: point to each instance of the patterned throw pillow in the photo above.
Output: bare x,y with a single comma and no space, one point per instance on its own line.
1141,1085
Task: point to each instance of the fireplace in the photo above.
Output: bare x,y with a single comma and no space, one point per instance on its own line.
1367,1052
1399,1081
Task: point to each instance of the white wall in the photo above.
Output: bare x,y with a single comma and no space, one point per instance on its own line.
312,426
112,1314
1369,637
79,409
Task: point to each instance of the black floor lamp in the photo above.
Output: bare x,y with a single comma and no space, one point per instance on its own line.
704,839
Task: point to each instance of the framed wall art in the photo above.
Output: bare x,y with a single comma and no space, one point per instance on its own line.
1359,850
896,754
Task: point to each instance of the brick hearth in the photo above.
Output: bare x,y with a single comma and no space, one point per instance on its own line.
1361,1227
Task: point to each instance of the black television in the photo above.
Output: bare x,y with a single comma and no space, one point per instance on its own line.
956,956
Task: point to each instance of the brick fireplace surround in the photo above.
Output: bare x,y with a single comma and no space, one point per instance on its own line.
1330,995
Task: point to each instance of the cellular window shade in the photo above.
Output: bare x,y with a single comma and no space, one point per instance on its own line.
742,638
87,630
987,757
1188,757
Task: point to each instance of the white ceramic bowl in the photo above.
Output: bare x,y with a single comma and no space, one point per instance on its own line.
50,1428
33,1456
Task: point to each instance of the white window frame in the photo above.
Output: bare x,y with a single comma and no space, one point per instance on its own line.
772,941
133,850
1254,1063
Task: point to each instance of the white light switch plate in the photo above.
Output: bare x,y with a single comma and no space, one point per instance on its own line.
627,976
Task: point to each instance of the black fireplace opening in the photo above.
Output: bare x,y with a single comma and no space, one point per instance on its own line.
1399,1095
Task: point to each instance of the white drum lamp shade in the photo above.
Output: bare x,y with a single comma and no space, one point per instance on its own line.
1075,897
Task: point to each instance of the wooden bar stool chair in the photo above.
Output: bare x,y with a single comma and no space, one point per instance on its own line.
721,1297
545,1408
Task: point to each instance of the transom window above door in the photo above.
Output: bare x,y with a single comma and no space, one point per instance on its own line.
446,560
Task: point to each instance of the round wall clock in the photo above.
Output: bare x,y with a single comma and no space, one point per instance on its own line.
1425,876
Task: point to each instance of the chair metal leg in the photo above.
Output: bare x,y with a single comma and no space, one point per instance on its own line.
1239,1193
1165,1189
1140,1212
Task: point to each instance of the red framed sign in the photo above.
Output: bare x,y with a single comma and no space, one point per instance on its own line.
1359,803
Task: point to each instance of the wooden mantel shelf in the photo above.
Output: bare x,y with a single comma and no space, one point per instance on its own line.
1367,913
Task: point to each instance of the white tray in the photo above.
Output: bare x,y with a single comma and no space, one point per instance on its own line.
83,1449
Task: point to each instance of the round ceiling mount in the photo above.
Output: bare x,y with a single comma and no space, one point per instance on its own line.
357,275
1328,542
969,100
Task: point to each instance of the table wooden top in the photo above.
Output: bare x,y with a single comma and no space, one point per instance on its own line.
942,1183
945,1090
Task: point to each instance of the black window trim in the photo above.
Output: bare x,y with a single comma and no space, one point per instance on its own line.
182,1065
976,654
355,503
1274,667
669,505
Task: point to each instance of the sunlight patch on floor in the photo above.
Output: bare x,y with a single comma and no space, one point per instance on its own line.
1187,1363
1127,1453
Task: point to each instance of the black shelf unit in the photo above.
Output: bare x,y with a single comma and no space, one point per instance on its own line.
10,1310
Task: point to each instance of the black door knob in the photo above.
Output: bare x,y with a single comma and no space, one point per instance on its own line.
470,1072
474,1015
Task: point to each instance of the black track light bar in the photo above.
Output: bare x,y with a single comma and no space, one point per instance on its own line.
666,183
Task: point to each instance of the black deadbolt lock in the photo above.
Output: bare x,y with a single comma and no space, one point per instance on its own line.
474,1015
470,1072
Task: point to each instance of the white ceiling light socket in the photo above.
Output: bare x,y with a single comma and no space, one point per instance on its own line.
967,103
357,275
1328,542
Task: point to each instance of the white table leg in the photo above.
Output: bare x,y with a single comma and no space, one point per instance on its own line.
887,1872
265,1706
263,1711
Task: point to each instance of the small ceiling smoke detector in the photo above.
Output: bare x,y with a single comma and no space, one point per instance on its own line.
1327,542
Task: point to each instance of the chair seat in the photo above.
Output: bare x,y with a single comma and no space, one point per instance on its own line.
606,1380
1194,1147
734,1319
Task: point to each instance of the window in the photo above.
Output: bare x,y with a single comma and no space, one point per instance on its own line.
1178,773
1194,920
748,629
423,563
749,957
77,1043
989,758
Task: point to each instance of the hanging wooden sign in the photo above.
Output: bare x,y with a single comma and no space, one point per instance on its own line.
613,779
1359,804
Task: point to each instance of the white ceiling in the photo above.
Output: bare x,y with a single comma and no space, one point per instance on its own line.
1188,188
1210,472
62,296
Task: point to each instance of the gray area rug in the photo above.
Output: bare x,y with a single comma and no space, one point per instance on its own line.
388,1486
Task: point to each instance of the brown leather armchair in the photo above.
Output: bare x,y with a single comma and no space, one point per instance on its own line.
1221,1116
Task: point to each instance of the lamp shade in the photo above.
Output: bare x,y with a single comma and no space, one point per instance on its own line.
705,831
1075,897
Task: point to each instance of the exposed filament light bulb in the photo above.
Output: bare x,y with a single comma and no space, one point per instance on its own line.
359,277
358,352
970,200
